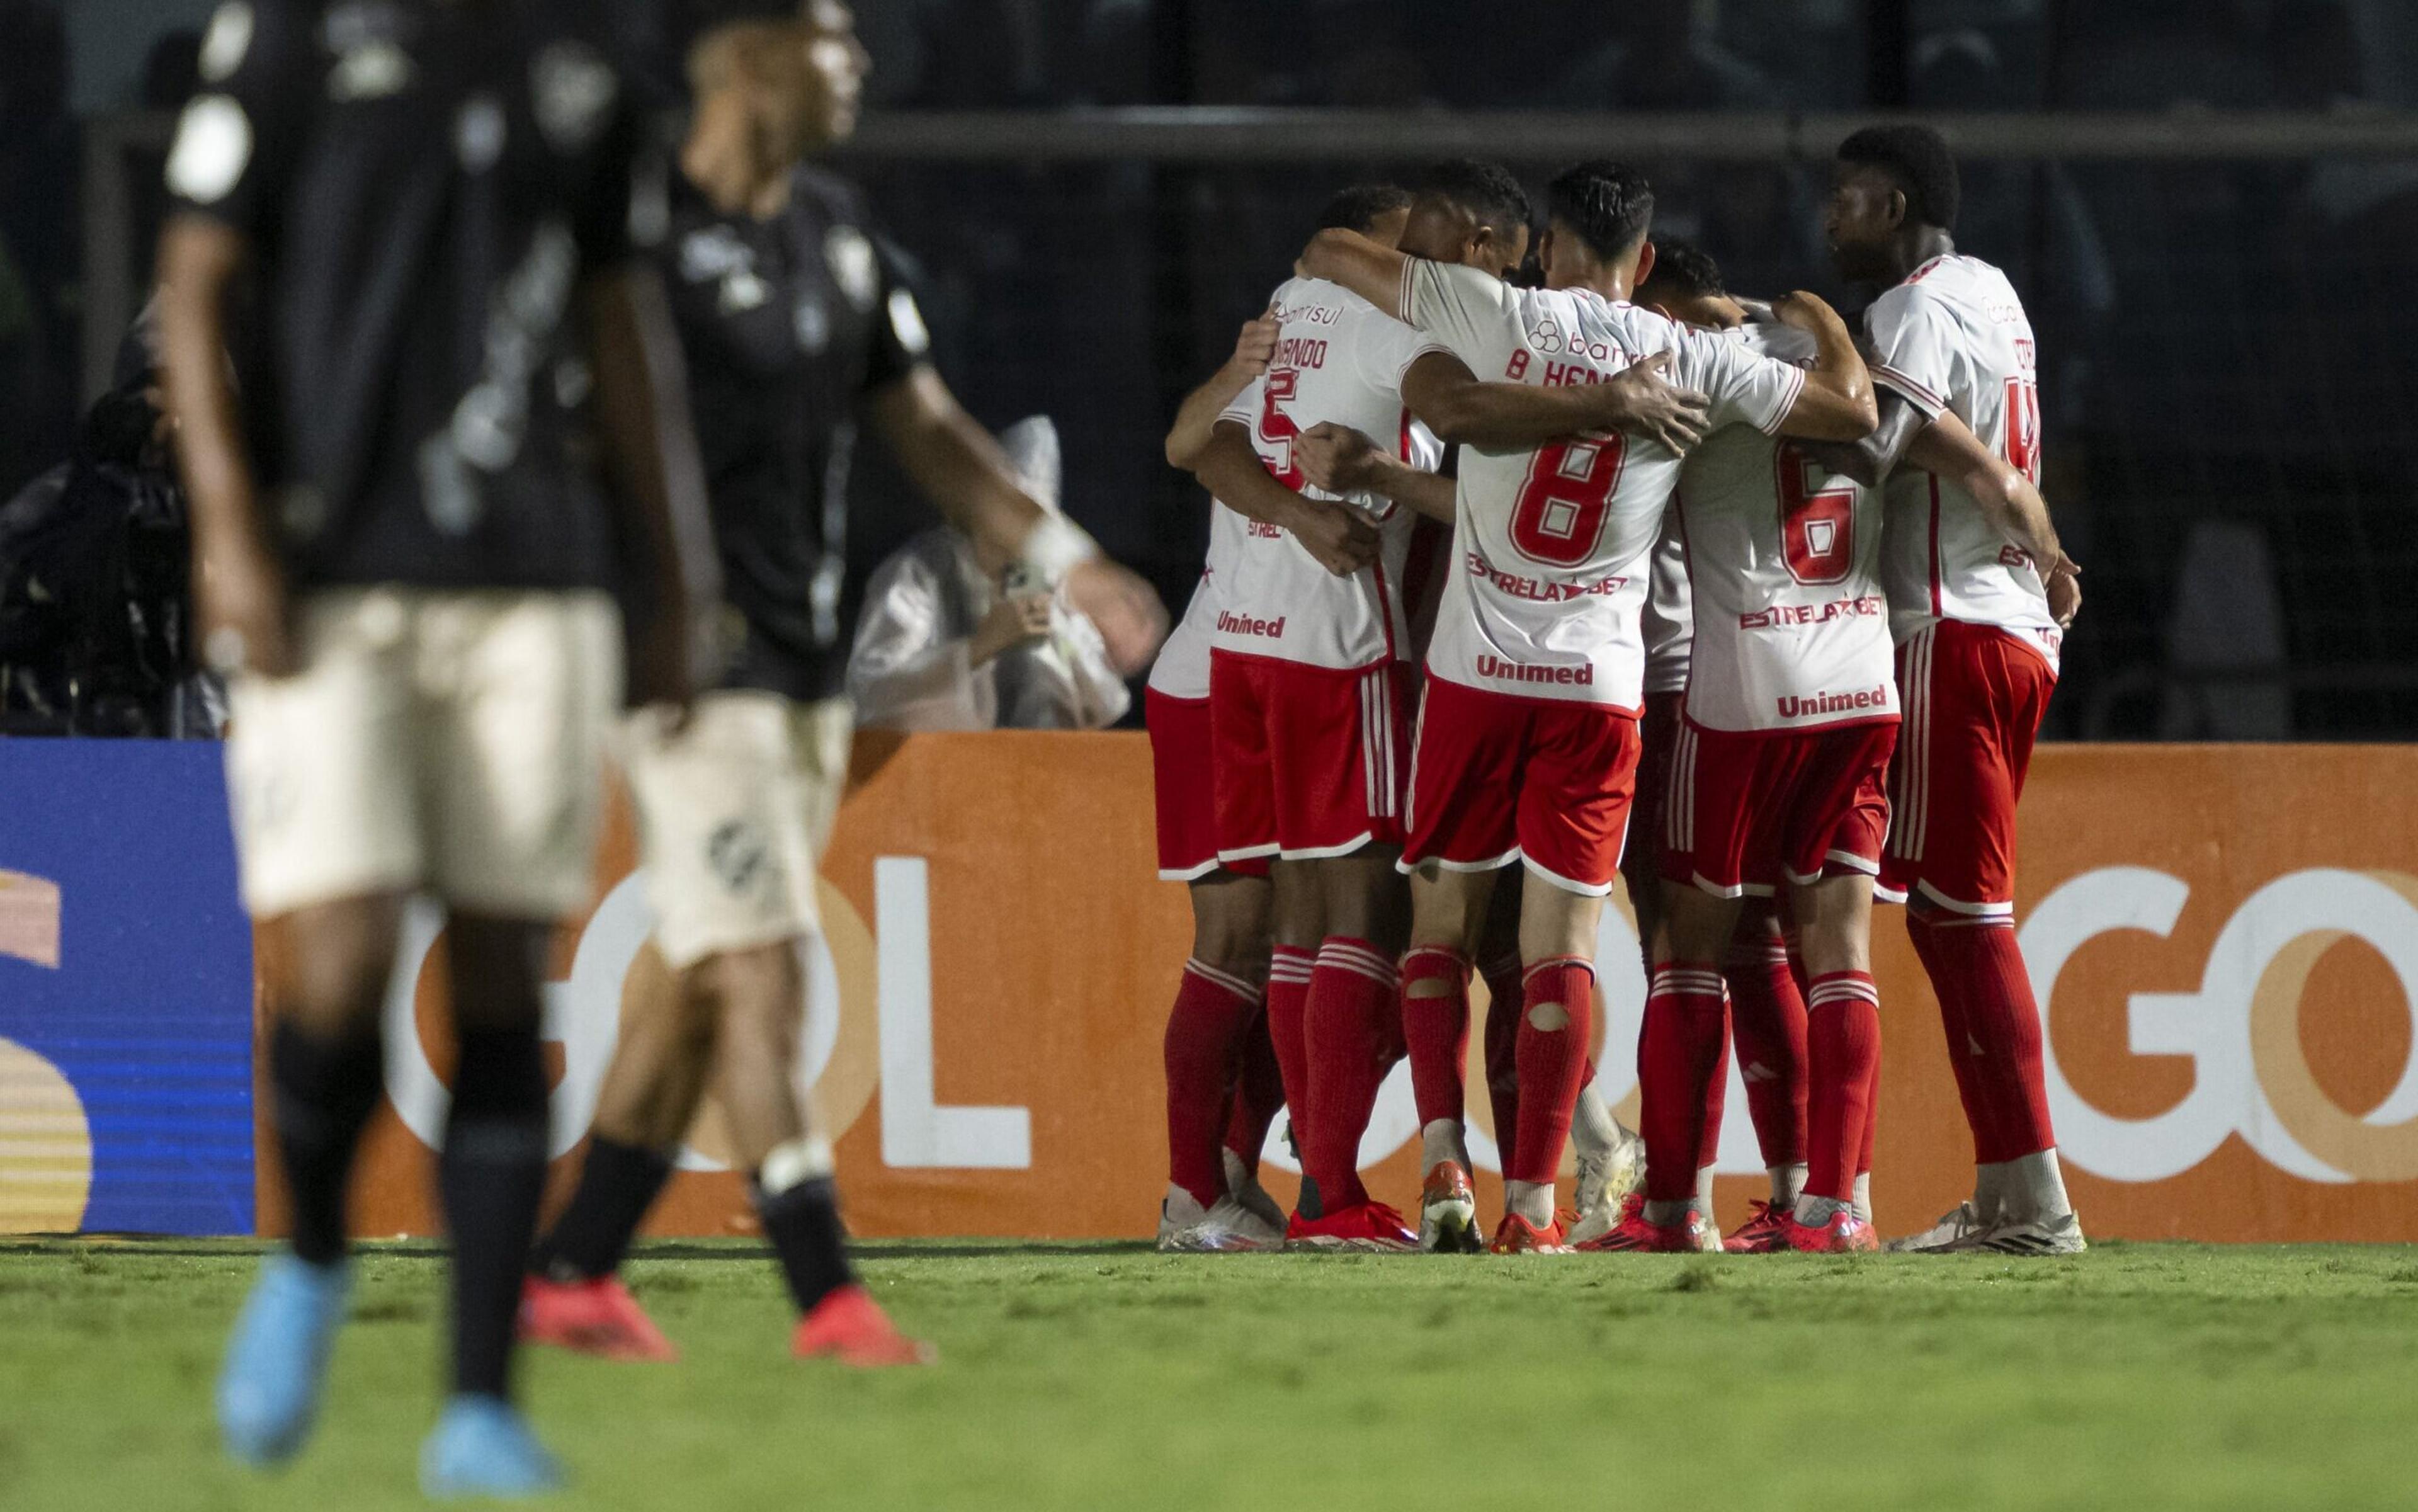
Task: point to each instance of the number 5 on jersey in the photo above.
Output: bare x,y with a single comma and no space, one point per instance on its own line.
1278,431
1560,513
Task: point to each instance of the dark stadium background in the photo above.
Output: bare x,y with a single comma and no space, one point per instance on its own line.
2207,203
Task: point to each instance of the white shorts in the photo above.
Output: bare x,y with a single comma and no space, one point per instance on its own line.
733,813
446,740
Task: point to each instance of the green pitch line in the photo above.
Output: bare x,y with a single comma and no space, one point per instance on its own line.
1087,1376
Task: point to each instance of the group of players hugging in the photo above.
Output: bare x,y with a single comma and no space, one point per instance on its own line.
1753,614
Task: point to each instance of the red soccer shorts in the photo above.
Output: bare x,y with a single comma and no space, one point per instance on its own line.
1750,809
1181,780
1496,778
1973,697
1309,760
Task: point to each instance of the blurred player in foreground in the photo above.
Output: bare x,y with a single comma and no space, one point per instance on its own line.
402,552
1223,1082
793,319
1978,597
1527,746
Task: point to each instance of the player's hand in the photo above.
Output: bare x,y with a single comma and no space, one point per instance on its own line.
1641,401
678,653
1256,348
1122,608
2065,590
1012,622
239,600
1338,539
1808,312
1337,459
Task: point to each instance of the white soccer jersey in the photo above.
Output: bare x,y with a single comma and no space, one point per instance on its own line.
1182,670
1339,360
1954,337
1792,632
1549,546
1670,613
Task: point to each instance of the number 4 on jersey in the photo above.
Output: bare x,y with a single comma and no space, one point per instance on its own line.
2024,427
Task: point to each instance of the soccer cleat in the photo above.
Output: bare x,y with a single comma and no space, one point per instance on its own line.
482,1448
1760,1234
277,1360
1178,1211
1226,1228
1954,1233
1516,1236
1634,1235
848,1325
1245,1188
1606,1181
598,1318
1369,1227
1448,1211
2060,1235
1844,1234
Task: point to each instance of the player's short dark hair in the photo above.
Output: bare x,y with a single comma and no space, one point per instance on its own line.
1608,204
1918,159
1361,206
1485,190
1685,268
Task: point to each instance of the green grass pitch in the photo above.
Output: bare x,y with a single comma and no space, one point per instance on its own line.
1091,1376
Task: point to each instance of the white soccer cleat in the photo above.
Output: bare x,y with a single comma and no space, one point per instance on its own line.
1953,1234
2060,1235
1225,1227
1245,1188
1606,1178
1448,1211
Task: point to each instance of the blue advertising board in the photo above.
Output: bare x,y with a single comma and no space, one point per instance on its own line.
126,992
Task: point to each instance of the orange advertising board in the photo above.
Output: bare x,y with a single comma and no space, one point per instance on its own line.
2226,940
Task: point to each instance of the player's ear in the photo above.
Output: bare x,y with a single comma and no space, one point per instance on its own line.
1644,264
1896,209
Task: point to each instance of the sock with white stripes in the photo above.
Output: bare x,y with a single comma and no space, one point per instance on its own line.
1844,1041
1353,1020
1214,1010
1685,1036
1288,968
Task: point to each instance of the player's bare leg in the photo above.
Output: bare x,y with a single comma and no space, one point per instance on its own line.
1449,911
1354,1035
1834,920
759,997
327,967
1216,1017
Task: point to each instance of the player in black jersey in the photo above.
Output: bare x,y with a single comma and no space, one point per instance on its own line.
452,422
796,322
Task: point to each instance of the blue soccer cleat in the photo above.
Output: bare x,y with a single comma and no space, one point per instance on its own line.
277,1361
480,1447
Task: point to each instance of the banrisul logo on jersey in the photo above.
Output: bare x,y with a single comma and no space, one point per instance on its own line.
125,993
2224,942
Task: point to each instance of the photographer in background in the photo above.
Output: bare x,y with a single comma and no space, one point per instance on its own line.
95,579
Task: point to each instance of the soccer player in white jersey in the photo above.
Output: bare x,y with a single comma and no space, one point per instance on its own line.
1776,784
1218,1109
1309,692
1978,595
1526,748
